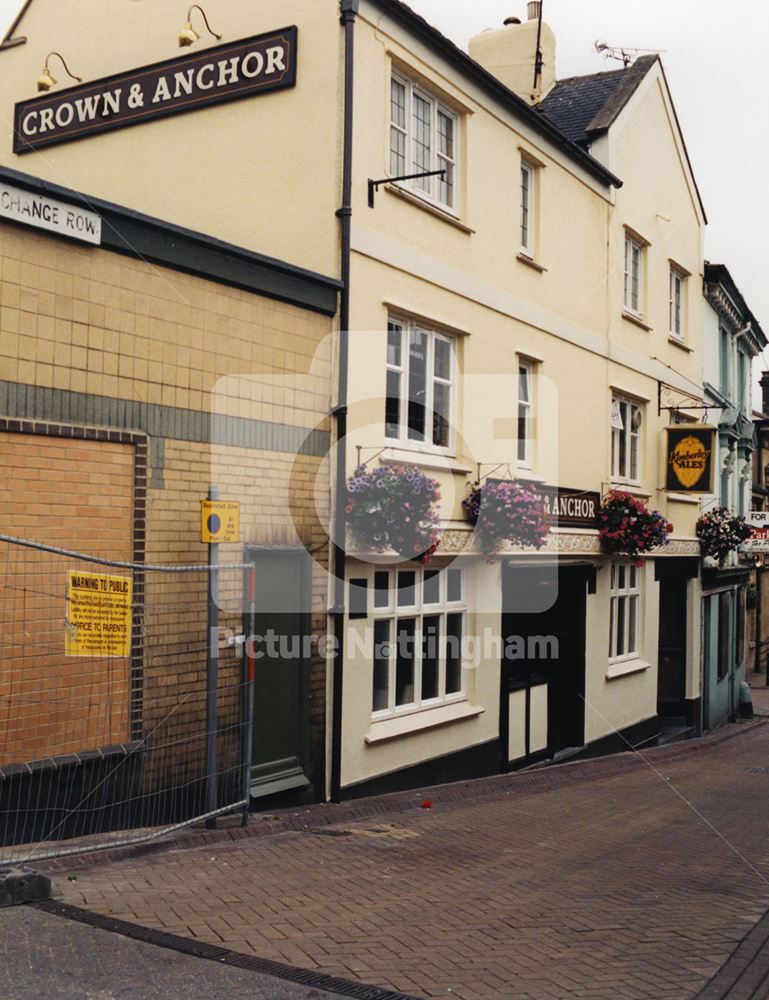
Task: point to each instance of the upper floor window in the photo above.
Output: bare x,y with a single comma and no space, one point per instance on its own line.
420,384
626,421
725,362
528,193
742,380
418,629
525,414
677,303
423,138
634,264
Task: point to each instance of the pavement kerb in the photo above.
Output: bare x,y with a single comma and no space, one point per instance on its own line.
529,782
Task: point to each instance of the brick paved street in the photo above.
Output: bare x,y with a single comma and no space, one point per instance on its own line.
593,880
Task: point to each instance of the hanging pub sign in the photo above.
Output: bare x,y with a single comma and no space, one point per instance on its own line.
690,459
222,73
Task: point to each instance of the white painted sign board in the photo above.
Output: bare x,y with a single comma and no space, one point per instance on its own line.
45,213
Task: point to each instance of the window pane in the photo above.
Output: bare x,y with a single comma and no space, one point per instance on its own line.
431,593
398,103
404,662
612,627
523,384
621,610
394,341
393,405
453,654
441,414
523,433
525,204
422,139
634,456
417,384
382,589
397,153
632,638
431,628
407,597
446,135
442,363
454,586
381,665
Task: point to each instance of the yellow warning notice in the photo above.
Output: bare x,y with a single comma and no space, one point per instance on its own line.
219,521
98,615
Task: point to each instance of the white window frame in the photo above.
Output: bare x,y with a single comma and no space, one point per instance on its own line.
625,618
624,411
419,610
525,414
635,266
442,193
528,208
402,371
677,310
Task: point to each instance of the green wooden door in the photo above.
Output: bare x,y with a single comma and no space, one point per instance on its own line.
281,670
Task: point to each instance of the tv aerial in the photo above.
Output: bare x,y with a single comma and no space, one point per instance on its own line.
621,53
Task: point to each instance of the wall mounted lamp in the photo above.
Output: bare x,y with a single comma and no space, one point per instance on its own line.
188,35
45,81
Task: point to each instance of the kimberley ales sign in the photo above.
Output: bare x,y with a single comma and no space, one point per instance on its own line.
690,455
222,73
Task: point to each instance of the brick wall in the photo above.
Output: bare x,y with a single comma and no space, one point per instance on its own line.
75,495
226,385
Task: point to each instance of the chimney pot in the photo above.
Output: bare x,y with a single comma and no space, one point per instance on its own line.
535,8
764,381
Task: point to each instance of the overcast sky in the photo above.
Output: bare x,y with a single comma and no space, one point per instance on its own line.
716,56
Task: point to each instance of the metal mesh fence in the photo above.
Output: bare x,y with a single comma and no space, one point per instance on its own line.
104,733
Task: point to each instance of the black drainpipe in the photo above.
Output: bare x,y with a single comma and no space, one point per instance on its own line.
349,11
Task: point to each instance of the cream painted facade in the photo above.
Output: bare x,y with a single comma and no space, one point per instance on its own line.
265,174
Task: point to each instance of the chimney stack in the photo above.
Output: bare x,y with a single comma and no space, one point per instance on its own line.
510,54
764,383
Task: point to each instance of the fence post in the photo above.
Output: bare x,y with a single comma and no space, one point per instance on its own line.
248,674
212,675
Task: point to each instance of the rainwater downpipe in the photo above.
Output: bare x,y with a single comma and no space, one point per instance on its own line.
349,11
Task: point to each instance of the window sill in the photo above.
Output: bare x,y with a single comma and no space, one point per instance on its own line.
404,725
624,667
425,459
637,320
678,342
428,206
685,498
632,488
530,262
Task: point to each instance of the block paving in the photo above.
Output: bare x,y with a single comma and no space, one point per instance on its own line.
621,878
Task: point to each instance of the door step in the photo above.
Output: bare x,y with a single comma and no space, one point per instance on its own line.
674,734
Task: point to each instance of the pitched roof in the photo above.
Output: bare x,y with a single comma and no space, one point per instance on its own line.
583,106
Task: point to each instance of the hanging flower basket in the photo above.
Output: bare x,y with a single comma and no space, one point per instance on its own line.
394,507
629,528
506,511
721,532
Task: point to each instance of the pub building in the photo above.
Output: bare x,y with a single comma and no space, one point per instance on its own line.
353,199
